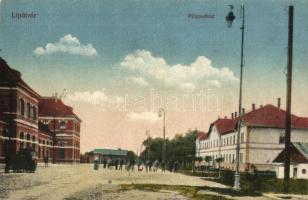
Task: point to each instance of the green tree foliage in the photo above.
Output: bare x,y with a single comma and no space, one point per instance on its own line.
181,148
131,156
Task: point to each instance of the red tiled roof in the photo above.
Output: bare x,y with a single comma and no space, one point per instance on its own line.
52,106
225,125
266,116
201,135
272,116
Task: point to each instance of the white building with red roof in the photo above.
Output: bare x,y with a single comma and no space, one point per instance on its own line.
261,138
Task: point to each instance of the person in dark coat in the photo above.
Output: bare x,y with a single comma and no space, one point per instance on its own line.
121,164
133,164
46,161
116,164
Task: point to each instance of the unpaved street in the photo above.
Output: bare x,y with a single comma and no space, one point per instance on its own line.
82,182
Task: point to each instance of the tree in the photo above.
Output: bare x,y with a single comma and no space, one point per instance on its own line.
208,159
131,156
181,148
219,160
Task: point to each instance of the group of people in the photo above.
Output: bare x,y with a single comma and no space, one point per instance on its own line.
148,165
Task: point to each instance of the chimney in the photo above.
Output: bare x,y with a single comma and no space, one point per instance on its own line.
235,115
232,115
243,111
253,106
278,102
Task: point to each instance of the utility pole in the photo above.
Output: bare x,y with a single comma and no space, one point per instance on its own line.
288,105
148,144
162,113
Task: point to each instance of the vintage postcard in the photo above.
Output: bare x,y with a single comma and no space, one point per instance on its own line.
153,99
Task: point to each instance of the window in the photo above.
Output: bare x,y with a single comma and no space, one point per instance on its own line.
233,139
34,112
22,135
62,125
303,171
22,107
22,138
241,157
28,110
28,140
281,138
242,137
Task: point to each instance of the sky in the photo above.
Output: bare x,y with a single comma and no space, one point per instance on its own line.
117,62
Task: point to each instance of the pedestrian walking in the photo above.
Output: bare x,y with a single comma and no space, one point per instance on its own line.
104,163
133,164
116,164
163,166
121,164
46,161
147,165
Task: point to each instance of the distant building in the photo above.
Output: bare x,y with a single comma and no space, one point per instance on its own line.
26,121
298,161
261,138
105,154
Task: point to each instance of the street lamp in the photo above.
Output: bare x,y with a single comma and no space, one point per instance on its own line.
161,113
229,18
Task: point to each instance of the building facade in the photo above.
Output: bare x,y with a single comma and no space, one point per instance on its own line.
20,126
261,138
64,124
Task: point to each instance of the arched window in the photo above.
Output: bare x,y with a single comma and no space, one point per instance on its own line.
28,140
22,107
22,136
62,125
33,144
28,137
28,110
34,112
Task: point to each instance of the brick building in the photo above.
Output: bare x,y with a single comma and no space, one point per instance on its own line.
261,138
20,126
60,120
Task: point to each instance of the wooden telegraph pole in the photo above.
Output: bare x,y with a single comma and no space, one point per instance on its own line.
288,108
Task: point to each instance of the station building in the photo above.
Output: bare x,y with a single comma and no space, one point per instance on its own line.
24,117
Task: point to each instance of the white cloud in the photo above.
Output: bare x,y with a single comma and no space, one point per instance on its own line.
188,86
67,44
176,75
138,80
143,116
215,83
95,98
